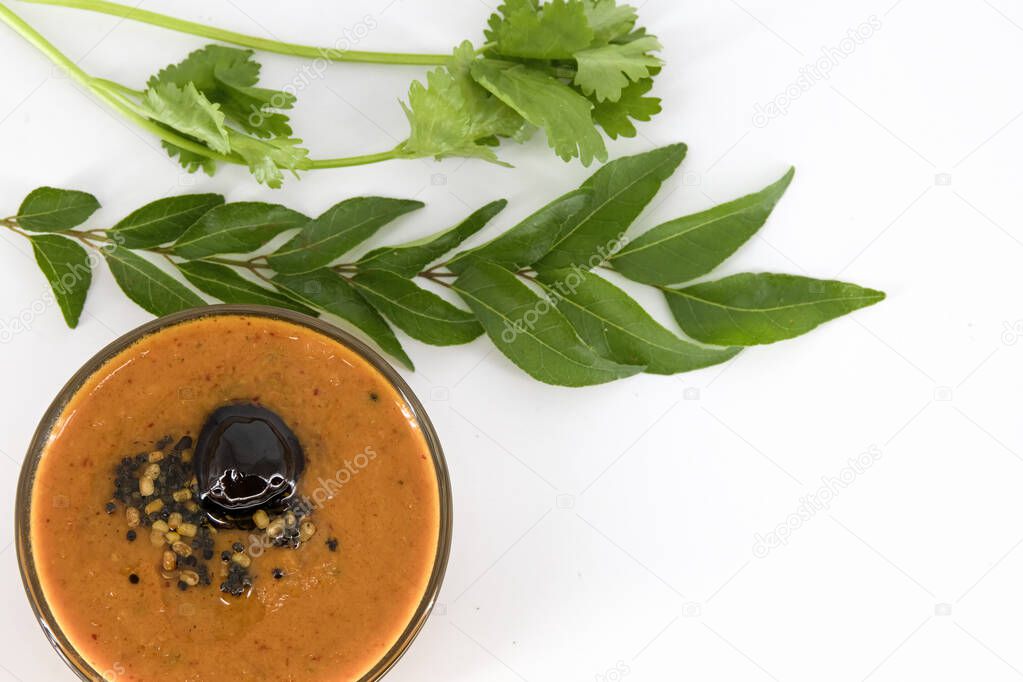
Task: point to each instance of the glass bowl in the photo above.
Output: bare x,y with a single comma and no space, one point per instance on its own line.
33,587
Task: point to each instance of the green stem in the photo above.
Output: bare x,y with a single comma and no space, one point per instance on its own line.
262,276
13,227
344,162
330,53
117,87
435,278
44,46
100,88
121,97
97,236
249,264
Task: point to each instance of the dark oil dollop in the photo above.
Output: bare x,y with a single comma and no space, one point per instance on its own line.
246,458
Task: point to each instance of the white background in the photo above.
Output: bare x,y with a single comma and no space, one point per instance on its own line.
615,526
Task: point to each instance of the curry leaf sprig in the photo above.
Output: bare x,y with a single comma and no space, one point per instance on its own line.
568,67
534,289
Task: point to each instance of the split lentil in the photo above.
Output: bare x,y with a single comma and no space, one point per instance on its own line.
170,561
183,531
261,519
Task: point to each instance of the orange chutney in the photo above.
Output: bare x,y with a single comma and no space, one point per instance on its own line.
369,477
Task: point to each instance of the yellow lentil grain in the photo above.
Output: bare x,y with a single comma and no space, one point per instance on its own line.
261,519
170,560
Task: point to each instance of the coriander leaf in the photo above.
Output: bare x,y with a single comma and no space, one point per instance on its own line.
555,30
341,228
531,239
66,266
546,103
606,71
454,116
266,158
49,209
227,285
330,292
621,190
189,160
239,227
150,287
199,68
689,247
408,259
261,123
227,76
421,314
439,124
751,309
635,34
187,111
531,332
163,220
614,117
504,10
253,107
608,20
618,328
490,118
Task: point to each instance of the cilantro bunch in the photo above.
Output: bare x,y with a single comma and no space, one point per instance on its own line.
567,67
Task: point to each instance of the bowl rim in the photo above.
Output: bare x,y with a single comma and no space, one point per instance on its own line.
26,479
